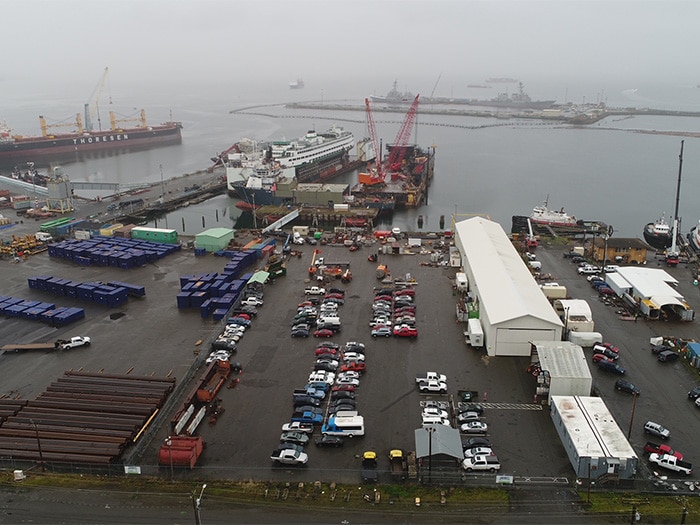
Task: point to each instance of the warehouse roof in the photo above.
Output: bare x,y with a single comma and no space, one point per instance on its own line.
562,359
591,427
506,287
216,233
438,439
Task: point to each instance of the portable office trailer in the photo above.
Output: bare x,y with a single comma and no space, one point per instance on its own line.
162,235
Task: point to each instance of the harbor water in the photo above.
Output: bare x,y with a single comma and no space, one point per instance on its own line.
620,171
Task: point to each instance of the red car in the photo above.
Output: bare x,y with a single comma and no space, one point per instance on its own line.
353,366
343,388
609,346
407,291
324,332
243,316
305,304
386,298
600,357
325,350
405,331
333,296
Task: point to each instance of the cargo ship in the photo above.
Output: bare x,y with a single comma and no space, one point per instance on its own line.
296,84
254,170
48,147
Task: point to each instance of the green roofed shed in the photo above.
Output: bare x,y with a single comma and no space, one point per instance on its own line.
214,239
259,277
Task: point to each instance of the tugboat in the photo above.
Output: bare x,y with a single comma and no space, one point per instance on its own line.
658,234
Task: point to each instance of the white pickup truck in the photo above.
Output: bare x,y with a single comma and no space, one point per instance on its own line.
315,290
431,376
73,342
670,462
289,457
432,387
488,463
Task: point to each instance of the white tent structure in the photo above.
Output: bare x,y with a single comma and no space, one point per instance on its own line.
512,308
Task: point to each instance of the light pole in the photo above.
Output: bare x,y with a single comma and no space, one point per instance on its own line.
162,186
430,430
169,442
196,501
634,405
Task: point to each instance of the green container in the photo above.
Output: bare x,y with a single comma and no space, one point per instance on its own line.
318,235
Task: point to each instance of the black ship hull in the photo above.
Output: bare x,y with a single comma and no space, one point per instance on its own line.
42,150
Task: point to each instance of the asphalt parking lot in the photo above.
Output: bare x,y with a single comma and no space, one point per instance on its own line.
151,336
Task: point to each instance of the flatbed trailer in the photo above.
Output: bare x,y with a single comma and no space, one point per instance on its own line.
29,346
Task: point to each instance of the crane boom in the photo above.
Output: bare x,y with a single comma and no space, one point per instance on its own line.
95,96
398,150
375,142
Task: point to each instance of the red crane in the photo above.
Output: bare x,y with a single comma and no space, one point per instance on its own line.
377,177
398,149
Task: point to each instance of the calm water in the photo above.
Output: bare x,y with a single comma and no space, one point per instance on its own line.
618,176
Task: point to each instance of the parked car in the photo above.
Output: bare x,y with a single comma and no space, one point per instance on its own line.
326,366
472,407
610,366
252,301
667,356
600,357
475,442
342,394
650,427
300,333
341,408
300,438
609,346
694,393
606,352
223,344
478,451
321,350
626,386
657,349
587,270
405,331
382,331
353,366
353,356
324,332
465,417
299,401
433,411
343,388
474,427
347,381
218,355
329,441
328,344
349,374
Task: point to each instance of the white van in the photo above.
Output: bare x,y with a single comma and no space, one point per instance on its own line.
332,320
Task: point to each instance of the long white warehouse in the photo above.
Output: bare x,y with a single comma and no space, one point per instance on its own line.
512,308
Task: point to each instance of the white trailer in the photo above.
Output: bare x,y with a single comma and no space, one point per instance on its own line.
474,334
462,282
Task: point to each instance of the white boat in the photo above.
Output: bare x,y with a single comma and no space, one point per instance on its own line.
543,215
296,84
658,234
313,147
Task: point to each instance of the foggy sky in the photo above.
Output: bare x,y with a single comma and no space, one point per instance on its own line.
196,42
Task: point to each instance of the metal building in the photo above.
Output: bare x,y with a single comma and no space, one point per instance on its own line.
512,308
597,448
563,370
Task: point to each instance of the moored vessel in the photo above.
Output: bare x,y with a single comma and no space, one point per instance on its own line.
56,147
296,84
658,234
543,215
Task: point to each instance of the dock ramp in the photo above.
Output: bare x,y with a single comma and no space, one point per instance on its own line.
278,224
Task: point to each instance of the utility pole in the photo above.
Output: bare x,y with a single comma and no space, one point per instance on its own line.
634,405
196,504
38,444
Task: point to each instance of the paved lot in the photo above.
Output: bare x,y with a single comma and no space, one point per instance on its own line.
151,336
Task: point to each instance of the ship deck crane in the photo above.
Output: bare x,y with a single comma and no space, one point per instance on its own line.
141,120
77,124
95,96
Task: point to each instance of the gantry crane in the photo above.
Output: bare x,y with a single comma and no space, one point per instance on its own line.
90,112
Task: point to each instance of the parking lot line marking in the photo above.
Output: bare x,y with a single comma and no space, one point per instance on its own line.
512,406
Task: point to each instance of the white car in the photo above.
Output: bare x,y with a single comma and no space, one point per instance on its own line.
252,301
436,412
474,427
321,377
347,381
611,268
380,321
588,270
296,426
349,374
480,451
220,355
331,362
353,356
350,344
